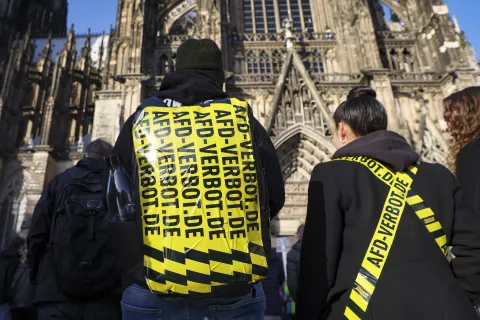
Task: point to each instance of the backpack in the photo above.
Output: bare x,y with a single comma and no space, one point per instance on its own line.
84,261
203,197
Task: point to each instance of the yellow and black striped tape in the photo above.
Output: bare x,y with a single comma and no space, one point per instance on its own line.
199,197
374,261
423,212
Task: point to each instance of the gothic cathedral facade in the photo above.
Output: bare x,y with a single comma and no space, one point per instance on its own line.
294,61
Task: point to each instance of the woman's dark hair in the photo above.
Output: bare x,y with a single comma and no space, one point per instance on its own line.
462,113
362,112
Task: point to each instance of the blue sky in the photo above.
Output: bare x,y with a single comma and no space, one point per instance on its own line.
100,14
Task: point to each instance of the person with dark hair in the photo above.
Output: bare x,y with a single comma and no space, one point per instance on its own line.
462,114
272,286
293,264
98,149
23,292
378,228
206,182
9,262
70,254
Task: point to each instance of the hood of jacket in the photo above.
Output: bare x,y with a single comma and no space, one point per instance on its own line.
92,164
190,87
387,147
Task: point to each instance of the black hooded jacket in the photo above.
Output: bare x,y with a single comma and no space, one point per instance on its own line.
468,173
39,255
273,284
189,87
9,262
345,203
293,267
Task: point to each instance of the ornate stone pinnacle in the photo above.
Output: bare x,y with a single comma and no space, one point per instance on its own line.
288,29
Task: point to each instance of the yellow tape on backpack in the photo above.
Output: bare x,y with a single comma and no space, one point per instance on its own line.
199,197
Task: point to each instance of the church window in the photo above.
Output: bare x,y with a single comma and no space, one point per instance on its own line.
252,62
247,16
283,8
307,15
277,61
259,20
262,17
270,6
296,18
318,65
265,66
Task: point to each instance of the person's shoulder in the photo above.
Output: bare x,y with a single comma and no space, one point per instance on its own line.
328,168
470,150
436,171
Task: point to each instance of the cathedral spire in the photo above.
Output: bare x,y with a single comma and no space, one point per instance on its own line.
288,29
47,50
28,36
87,45
70,43
101,52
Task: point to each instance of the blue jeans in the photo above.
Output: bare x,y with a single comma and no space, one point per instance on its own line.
5,312
140,304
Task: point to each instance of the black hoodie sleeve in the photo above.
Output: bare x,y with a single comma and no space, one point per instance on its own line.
468,174
321,243
273,171
293,265
465,244
40,228
124,146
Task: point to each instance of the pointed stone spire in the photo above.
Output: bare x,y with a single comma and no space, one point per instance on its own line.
70,43
16,41
28,36
46,53
87,46
288,29
101,52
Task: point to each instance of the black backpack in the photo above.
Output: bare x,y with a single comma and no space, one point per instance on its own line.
84,260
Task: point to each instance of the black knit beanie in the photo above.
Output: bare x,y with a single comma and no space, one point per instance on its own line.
202,54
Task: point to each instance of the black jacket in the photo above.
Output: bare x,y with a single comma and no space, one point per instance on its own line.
468,173
23,292
272,285
39,257
293,269
345,203
9,262
189,87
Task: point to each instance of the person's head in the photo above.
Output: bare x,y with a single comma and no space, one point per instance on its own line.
16,244
98,149
462,114
300,232
204,55
360,115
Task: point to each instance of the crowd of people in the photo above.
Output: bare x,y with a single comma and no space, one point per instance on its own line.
173,222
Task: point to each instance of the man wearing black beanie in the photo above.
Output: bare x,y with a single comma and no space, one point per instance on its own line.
155,290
